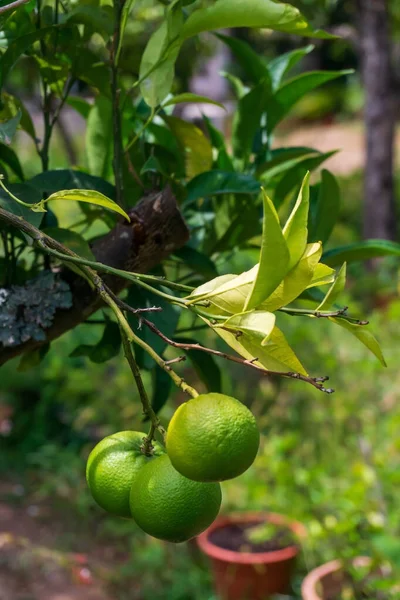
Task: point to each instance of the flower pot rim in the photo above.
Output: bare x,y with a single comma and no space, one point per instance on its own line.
231,556
310,582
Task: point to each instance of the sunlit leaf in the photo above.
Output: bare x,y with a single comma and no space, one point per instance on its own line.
296,281
295,230
335,290
189,97
363,335
90,196
197,148
274,258
322,275
260,322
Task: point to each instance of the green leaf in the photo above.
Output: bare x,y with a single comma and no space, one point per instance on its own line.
189,97
211,183
296,230
250,61
80,105
275,355
90,68
67,179
72,240
98,18
27,193
294,89
152,165
8,156
363,335
225,14
284,161
32,359
157,66
247,118
166,321
361,251
162,384
296,281
109,345
322,276
326,211
205,366
197,148
274,258
258,321
8,128
335,290
17,48
99,137
295,175
90,196
126,9
197,261
279,66
13,108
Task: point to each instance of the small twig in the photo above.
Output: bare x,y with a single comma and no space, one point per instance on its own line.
15,4
314,381
341,313
175,360
133,171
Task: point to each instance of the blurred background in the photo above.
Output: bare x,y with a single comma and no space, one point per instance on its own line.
331,462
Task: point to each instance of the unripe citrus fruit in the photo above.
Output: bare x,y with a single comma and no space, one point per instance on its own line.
111,467
212,438
169,506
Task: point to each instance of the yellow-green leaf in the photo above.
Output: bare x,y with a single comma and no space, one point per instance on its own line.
189,97
90,196
260,322
274,258
206,288
296,228
231,295
335,290
296,281
322,275
275,355
197,148
363,335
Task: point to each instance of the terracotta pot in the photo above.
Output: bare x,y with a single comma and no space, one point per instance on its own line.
326,582
246,575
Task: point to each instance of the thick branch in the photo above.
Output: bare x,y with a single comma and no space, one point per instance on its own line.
156,229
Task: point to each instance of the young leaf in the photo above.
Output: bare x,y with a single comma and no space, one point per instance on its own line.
275,355
99,137
327,208
225,14
335,290
296,281
294,89
205,366
295,230
257,321
211,183
189,97
90,196
322,276
157,66
283,63
363,335
361,251
250,61
197,148
274,258
72,240
206,289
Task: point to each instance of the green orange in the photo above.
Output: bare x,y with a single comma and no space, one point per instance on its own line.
111,467
169,506
212,438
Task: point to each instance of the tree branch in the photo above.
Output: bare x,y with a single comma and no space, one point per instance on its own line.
156,230
11,6
314,381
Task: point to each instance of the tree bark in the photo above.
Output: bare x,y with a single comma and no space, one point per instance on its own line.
156,229
375,48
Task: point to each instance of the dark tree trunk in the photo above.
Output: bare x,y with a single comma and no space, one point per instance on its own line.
375,49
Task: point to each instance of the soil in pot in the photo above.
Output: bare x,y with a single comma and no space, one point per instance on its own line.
254,538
